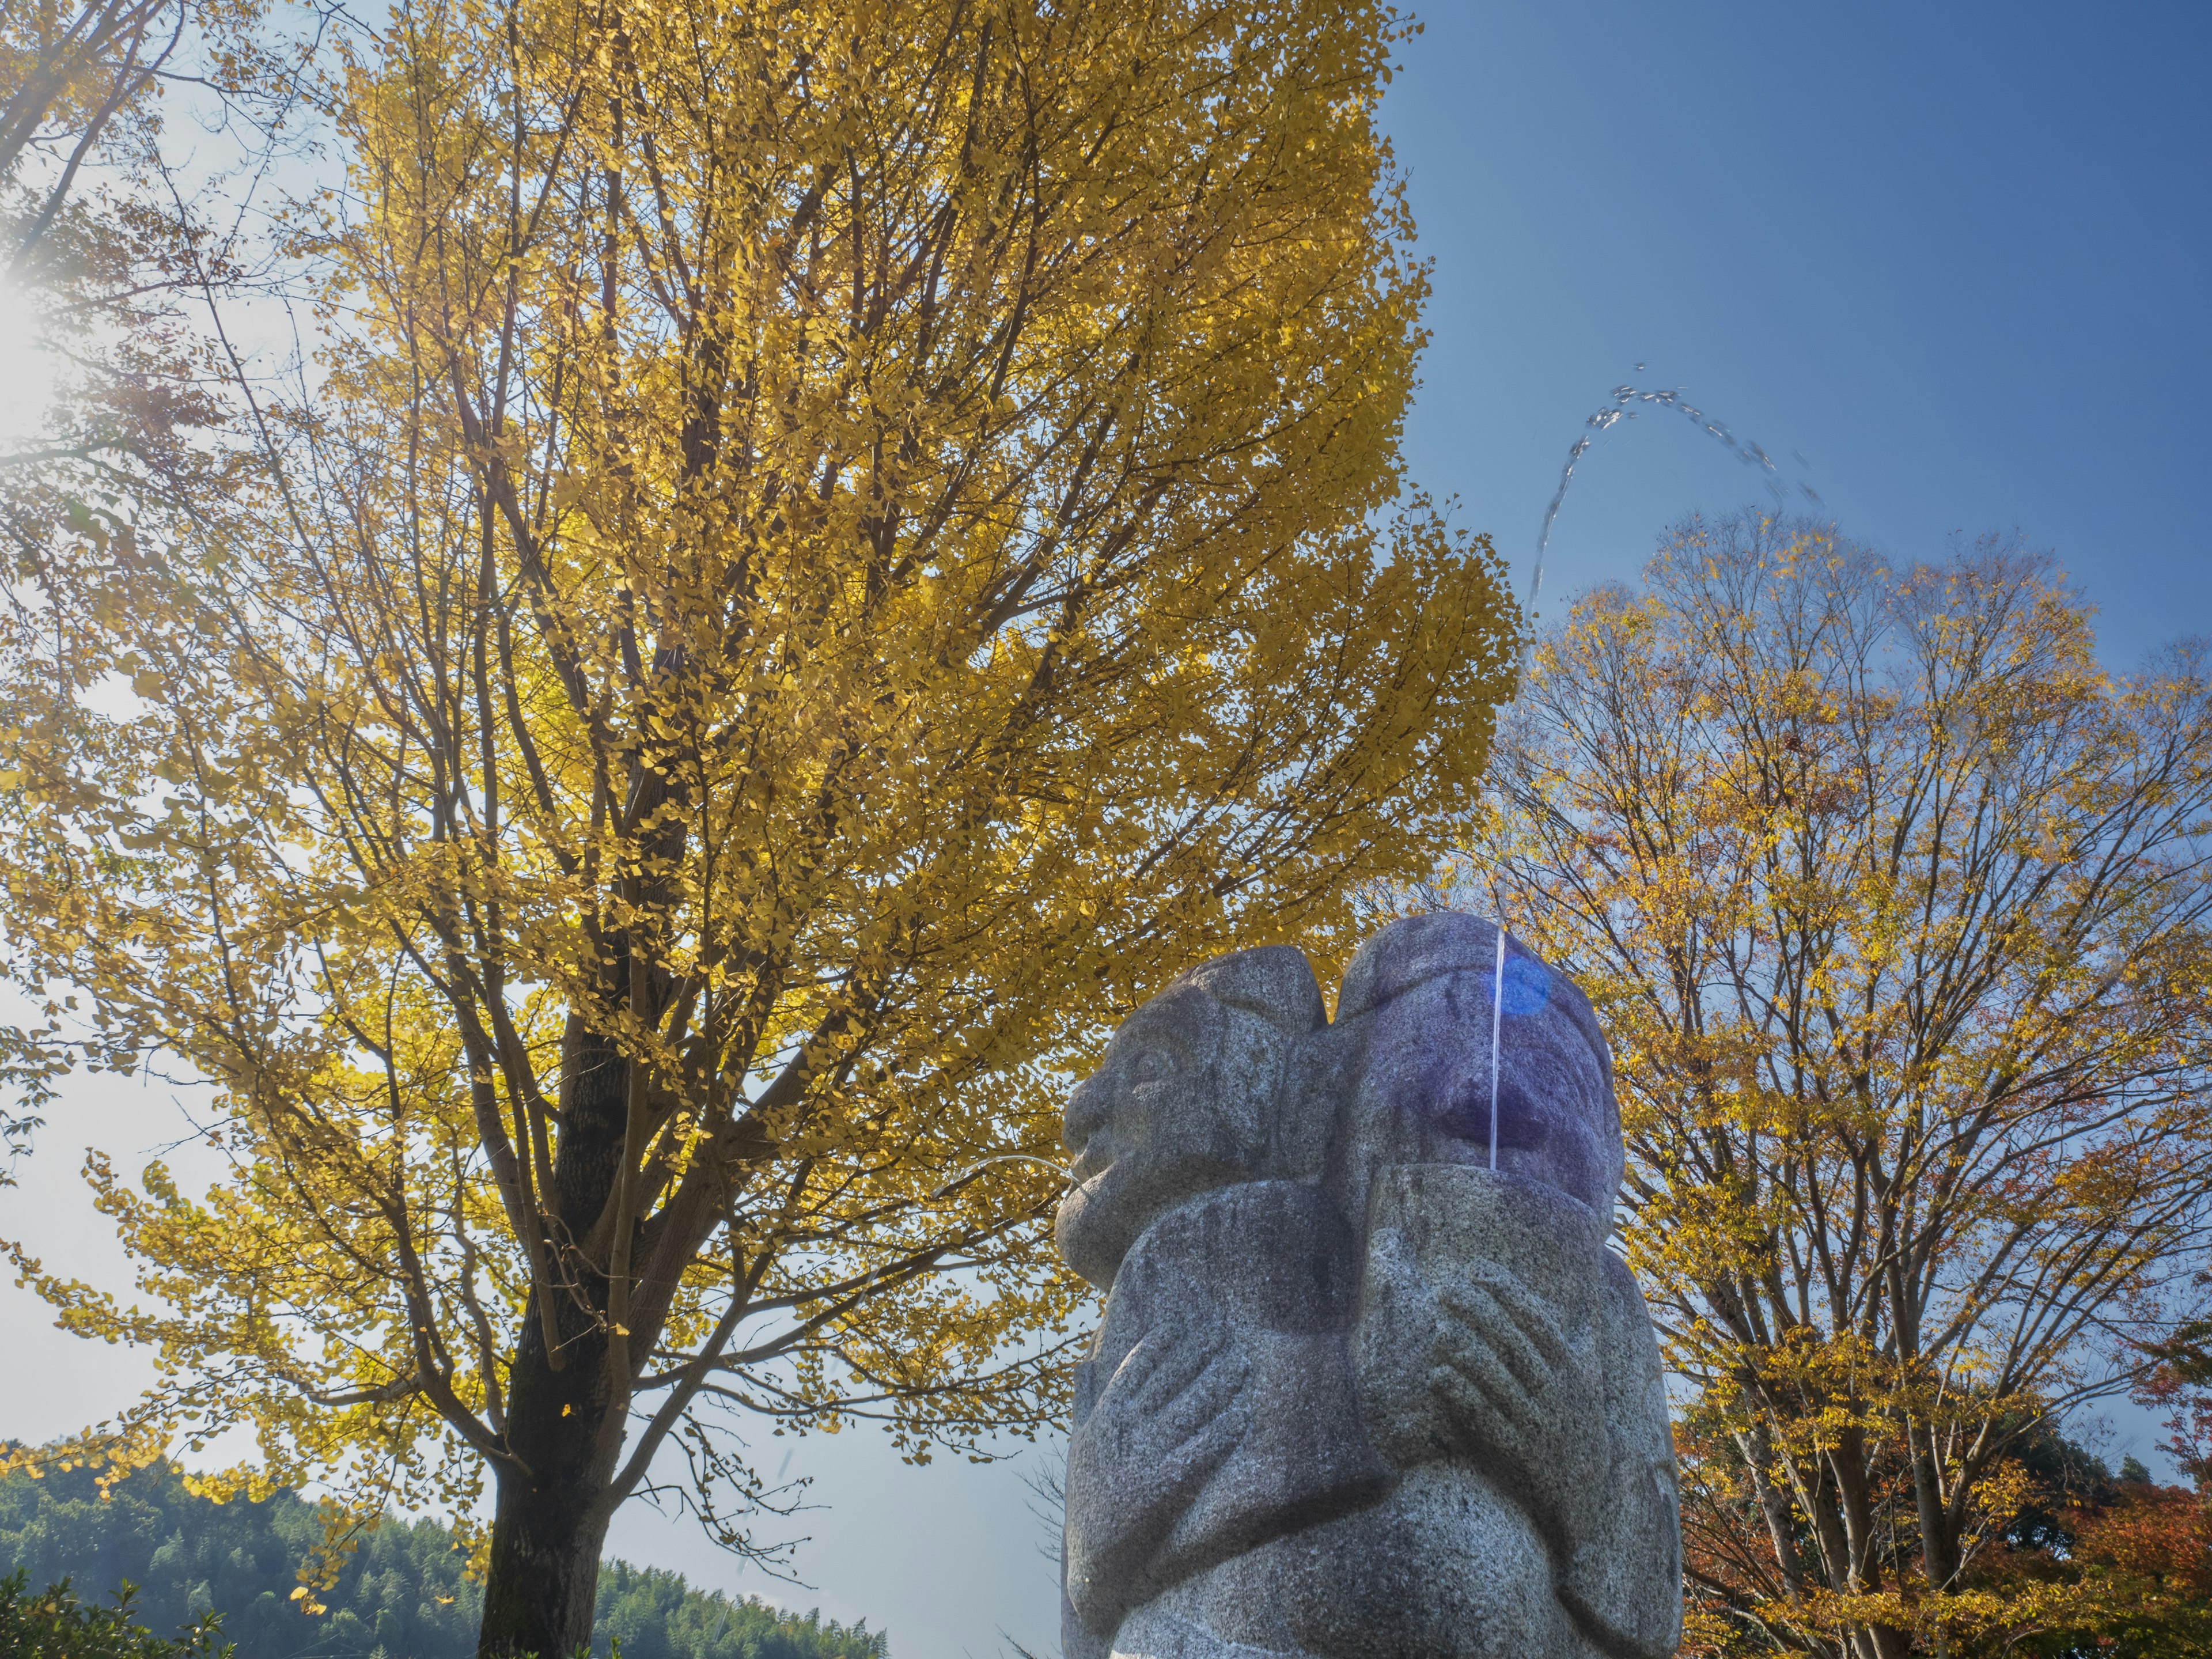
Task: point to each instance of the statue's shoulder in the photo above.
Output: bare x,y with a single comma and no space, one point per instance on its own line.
1626,1315
1267,1254
1623,1296
1635,1374
1223,1232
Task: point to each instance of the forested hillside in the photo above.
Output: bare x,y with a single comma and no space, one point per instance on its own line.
402,1595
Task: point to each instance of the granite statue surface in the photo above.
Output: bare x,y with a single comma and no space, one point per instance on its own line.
1368,1385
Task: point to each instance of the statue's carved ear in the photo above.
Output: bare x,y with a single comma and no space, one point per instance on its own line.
1274,983
1183,1021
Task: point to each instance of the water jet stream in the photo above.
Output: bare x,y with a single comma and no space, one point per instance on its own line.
1621,408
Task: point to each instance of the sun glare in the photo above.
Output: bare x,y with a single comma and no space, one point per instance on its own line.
27,371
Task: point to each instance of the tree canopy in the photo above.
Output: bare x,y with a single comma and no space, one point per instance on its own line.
824,553
1894,905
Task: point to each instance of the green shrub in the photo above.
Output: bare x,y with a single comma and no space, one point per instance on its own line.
55,1624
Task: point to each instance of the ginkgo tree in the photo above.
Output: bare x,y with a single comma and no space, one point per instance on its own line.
1896,905
826,550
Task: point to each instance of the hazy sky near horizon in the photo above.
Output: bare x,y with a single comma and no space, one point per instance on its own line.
1959,258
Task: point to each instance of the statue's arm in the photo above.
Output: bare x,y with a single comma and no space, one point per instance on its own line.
1623,1583
1482,1368
1077,1639
1163,1422
1306,1457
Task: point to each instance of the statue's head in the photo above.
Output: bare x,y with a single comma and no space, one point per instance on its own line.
1413,1025
1189,1097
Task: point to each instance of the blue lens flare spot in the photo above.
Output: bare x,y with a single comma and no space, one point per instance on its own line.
1528,987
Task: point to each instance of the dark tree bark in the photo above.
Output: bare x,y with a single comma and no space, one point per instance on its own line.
550,1519
543,1584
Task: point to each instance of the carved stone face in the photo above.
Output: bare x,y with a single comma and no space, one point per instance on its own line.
1157,1123
1186,1100
1421,1086
1426,1087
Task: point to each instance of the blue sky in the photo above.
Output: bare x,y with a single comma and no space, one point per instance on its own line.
1958,257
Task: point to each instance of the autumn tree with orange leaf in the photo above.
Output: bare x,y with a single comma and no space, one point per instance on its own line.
829,551
1894,904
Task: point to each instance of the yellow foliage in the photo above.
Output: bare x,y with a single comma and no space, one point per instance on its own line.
1894,905
832,550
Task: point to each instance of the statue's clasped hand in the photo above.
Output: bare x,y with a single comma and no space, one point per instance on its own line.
1168,1417
1517,1397
1172,1408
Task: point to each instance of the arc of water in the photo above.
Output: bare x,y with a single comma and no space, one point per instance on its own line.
1497,1023
975,1170
1751,455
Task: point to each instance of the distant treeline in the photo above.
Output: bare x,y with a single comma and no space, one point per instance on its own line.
402,1593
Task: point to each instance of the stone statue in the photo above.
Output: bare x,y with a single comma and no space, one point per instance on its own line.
1368,1385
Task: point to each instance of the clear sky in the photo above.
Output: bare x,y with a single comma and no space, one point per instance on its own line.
1959,258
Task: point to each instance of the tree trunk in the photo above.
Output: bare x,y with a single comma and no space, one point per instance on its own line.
1939,1554
551,1517
544,1579
552,1520
1759,1455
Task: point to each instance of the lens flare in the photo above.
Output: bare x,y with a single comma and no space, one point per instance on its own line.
28,370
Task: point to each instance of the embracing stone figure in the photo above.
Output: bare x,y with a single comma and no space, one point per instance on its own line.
1358,1393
